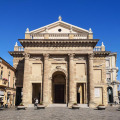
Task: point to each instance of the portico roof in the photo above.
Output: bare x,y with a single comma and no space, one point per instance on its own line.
59,23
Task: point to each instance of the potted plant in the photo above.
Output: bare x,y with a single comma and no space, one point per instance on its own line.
21,107
75,106
40,106
101,107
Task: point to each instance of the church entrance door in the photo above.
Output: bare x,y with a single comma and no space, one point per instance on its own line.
58,87
59,93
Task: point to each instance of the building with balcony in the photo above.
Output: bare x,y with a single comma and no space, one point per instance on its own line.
7,83
59,63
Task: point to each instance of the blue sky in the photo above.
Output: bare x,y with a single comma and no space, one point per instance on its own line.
103,16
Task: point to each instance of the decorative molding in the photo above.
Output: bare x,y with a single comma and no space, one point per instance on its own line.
58,59
98,65
37,58
81,58
58,69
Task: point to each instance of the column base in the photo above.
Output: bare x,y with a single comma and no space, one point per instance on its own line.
46,104
92,105
70,104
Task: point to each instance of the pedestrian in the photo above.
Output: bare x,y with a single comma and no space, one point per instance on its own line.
36,102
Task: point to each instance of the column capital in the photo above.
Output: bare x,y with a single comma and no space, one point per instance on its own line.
26,55
46,55
90,56
71,56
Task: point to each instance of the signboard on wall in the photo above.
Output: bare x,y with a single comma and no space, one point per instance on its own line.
97,92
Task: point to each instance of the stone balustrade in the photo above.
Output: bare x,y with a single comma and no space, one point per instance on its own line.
58,36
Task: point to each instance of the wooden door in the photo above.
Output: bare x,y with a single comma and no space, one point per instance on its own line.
59,93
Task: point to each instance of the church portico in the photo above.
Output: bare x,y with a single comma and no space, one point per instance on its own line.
59,60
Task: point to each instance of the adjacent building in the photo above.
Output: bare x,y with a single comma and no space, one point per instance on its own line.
59,63
111,75
7,83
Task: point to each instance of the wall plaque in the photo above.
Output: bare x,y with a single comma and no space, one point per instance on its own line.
97,92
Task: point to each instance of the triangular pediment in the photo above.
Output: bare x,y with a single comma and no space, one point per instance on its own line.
60,27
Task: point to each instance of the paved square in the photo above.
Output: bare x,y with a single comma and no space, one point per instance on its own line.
60,114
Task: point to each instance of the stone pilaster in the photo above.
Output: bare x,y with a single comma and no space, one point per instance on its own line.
46,80
91,81
72,85
27,86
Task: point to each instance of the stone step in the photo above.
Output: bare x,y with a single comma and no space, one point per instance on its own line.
57,105
31,105
65,105
83,105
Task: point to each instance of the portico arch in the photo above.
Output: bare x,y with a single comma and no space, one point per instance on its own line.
58,87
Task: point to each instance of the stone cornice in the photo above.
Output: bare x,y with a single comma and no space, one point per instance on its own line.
101,53
95,53
17,53
58,42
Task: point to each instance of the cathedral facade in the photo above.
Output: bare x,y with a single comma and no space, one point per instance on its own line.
57,63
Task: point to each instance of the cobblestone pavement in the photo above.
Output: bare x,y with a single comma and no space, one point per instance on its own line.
60,114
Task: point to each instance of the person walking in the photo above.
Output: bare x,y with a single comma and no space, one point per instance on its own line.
36,102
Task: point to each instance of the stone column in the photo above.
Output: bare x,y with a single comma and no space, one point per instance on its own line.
46,80
72,85
91,81
27,86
